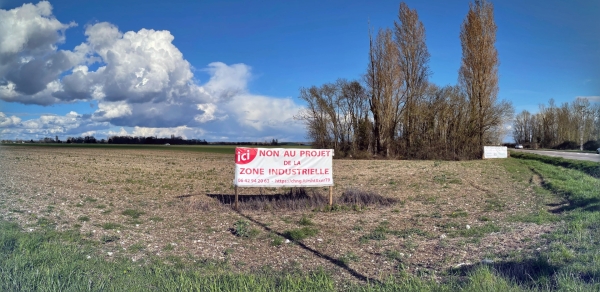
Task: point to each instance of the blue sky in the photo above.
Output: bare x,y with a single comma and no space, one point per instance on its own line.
232,70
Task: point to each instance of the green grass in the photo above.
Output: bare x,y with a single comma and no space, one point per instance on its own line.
65,261
134,214
588,167
458,213
392,255
110,226
41,261
301,233
276,239
348,258
382,230
573,249
477,231
241,228
137,247
305,221
379,233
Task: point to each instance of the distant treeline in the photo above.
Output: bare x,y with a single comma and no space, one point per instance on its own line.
173,140
151,140
574,125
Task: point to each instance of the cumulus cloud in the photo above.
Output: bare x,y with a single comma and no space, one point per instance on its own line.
6,121
71,124
29,59
263,113
139,80
138,67
227,81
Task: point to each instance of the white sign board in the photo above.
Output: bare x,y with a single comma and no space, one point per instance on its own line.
279,167
495,152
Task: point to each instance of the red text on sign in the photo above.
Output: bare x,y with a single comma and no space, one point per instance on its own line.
246,170
272,153
314,153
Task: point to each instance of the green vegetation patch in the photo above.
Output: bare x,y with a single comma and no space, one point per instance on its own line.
241,228
110,226
301,233
588,167
65,261
305,221
133,213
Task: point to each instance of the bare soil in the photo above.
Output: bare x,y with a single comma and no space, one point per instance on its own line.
88,189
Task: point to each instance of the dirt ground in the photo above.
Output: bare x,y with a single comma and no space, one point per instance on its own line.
440,202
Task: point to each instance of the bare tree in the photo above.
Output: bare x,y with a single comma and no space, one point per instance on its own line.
582,111
315,117
522,128
413,57
355,110
383,81
479,70
333,115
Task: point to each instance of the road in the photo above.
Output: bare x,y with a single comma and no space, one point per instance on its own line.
568,155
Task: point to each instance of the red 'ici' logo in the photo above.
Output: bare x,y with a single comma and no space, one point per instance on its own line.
245,155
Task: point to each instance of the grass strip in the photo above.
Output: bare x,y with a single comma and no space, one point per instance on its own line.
571,254
47,260
589,167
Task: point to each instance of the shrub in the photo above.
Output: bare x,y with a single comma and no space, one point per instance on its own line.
241,228
305,221
567,145
591,145
294,199
364,198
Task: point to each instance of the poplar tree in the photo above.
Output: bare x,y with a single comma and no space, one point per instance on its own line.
478,74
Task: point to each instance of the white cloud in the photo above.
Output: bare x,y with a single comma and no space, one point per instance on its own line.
49,125
140,80
29,58
138,67
9,92
261,112
121,132
227,81
111,110
6,121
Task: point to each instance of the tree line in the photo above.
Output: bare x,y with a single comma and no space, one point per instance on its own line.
574,125
394,111
151,140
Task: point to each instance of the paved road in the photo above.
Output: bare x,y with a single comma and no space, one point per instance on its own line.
567,155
